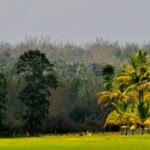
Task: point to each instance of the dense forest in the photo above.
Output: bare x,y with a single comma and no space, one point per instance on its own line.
80,73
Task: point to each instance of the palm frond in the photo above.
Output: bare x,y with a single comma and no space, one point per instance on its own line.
102,96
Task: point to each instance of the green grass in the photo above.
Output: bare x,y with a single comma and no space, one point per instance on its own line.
70,142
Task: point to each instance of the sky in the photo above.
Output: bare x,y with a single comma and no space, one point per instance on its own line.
78,21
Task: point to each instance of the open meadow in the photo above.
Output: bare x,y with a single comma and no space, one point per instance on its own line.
76,142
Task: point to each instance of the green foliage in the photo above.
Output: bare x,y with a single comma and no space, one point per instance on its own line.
133,100
108,73
40,79
79,71
3,94
143,110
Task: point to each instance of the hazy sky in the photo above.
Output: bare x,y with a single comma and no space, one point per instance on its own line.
75,20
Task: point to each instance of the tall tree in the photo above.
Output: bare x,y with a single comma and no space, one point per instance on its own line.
40,79
108,72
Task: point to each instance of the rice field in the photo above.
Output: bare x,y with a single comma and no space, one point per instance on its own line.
76,142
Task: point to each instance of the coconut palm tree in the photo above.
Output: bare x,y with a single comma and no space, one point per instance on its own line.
131,85
142,111
136,74
132,77
121,116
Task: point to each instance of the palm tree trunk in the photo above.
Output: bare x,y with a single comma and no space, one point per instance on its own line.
141,95
133,132
121,131
142,132
110,128
126,131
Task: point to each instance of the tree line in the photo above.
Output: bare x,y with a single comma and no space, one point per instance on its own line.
80,73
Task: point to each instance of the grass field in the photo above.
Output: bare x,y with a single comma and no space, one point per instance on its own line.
76,142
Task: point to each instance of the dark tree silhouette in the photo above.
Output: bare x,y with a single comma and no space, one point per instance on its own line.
40,79
3,93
